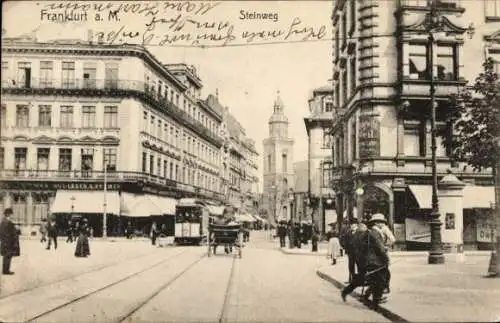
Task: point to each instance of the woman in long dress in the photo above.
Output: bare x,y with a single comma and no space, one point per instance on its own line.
333,244
82,244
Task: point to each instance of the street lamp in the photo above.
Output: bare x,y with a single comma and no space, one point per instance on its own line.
433,25
72,198
494,267
291,199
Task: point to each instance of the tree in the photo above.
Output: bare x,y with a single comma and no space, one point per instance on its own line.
474,121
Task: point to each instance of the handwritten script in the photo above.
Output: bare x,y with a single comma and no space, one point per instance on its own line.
176,23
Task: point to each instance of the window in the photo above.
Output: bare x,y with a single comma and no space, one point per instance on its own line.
89,75
40,207
353,140
44,116
2,158
66,117
151,164
165,169
418,62
492,8
337,94
46,74
327,174
171,135
344,29
3,116
344,87
88,117
171,170
109,159
352,69
20,158
446,67
284,163
327,139
65,158
111,75
22,116
111,117
145,121
24,74
165,131
177,138
144,162
42,159
5,73
68,75
158,166
337,43
414,138
353,16
328,106
87,161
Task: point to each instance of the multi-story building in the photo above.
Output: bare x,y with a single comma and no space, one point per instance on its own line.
278,166
318,123
381,112
75,115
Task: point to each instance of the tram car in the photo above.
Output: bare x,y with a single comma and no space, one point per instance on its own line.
191,221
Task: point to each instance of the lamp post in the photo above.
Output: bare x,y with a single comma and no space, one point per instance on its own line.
434,24
104,213
291,200
494,267
72,198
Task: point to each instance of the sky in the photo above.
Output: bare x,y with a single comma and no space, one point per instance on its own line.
246,72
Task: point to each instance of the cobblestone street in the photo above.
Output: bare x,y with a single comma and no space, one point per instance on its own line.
134,281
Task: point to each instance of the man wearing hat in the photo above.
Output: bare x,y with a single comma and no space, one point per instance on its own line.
387,237
9,241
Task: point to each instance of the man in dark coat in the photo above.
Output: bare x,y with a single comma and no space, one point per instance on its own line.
346,241
359,255
282,235
9,241
52,233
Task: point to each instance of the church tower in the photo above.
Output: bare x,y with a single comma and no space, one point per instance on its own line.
278,165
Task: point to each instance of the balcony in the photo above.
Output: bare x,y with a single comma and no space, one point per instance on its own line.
113,88
444,5
91,176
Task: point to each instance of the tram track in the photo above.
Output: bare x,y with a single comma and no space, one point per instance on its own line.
73,300
223,316
72,277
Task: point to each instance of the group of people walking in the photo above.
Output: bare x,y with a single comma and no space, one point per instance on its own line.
80,231
298,234
366,245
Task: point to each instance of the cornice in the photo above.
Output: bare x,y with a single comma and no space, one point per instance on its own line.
92,50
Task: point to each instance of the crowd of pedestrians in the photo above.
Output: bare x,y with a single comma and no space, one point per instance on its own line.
298,234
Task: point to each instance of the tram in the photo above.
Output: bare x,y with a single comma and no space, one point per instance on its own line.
191,221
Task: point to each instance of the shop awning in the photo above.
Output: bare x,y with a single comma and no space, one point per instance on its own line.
423,195
139,205
166,204
215,209
478,197
244,218
85,202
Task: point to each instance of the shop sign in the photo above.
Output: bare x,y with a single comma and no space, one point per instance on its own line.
399,231
485,229
417,230
54,186
369,136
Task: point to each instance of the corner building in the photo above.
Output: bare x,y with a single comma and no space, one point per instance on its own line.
381,117
68,109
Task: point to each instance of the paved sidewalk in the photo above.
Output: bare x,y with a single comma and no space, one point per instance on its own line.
456,291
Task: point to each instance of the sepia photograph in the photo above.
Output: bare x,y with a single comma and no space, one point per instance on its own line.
250,161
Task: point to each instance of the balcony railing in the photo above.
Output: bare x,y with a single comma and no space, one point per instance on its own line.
139,88
111,176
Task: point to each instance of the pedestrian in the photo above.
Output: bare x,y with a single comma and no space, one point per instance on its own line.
282,234
346,243
69,233
9,241
82,243
314,239
359,254
388,238
153,233
52,233
297,236
43,231
333,244
291,234
376,261
128,230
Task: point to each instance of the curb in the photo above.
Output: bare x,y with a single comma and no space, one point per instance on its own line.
390,315
286,252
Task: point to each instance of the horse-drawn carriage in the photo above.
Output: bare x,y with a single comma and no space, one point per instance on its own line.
228,235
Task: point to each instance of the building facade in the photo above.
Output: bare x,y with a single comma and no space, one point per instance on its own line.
381,112
278,166
76,115
318,124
